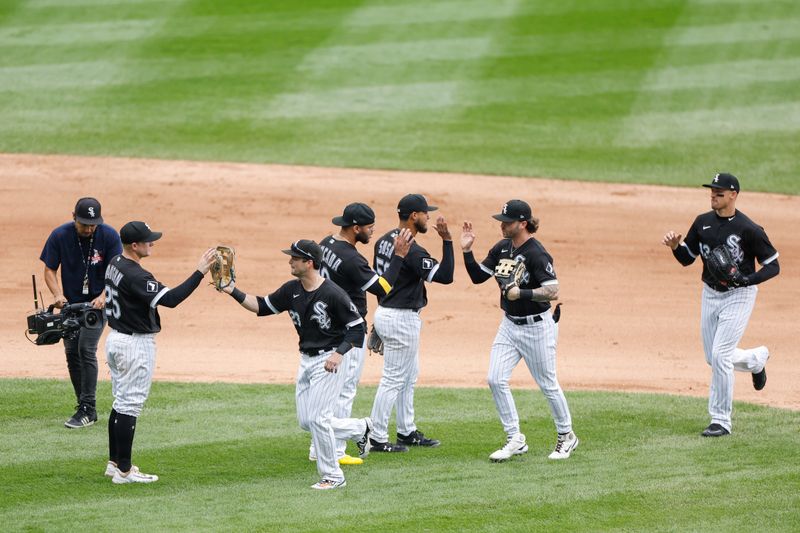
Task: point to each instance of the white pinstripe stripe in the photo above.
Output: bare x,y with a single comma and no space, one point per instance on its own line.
400,330
723,320
316,394
131,361
536,345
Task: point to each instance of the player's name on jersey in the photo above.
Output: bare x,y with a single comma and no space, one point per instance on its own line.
330,259
114,275
386,248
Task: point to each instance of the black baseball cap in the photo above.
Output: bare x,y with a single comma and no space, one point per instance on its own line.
87,211
514,210
355,214
413,203
723,180
305,249
138,231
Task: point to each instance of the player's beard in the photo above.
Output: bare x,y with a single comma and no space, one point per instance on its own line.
362,236
421,225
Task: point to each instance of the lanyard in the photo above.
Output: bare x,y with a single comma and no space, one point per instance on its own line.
86,262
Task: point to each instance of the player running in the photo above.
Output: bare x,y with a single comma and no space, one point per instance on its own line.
725,309
527,331
329,326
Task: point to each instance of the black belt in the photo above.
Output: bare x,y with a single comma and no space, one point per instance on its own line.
524,320
315,353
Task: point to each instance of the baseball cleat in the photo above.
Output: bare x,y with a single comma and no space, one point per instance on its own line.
760,378
416,438
364,443
111,469
347,460
566,443
386,447
515,445
328,484
715,430
133,476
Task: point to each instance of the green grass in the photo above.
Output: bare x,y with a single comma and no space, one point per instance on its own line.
647,91
231,457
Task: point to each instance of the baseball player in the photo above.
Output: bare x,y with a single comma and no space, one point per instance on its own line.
132,294
342,264
726,310
397,321
527,331
329,326
82,248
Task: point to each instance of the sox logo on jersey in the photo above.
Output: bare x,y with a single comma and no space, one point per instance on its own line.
320,315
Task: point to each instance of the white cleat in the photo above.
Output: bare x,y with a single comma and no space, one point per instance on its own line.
133,476
515,446
111,469
566,443
328,484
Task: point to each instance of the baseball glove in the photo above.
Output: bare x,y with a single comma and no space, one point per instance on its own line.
222,271
374,342
722,266
509,273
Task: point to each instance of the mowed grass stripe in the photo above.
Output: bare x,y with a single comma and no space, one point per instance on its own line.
641,460
529,88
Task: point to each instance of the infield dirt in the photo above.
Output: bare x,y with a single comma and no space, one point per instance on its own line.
630,317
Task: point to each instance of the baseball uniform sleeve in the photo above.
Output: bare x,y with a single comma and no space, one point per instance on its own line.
277,302
542,270
143,286
346,313
765,253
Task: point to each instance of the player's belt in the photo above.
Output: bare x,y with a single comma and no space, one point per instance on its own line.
523,320
315,353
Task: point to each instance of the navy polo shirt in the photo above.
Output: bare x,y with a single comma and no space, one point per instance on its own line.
62,249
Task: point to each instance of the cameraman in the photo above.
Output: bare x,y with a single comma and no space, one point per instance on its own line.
82,248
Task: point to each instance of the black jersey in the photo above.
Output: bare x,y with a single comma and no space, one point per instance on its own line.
342,264
746,240
408,291
539,272
321,317
132,294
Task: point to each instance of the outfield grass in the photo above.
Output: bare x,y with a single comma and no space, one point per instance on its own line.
648,91
231,457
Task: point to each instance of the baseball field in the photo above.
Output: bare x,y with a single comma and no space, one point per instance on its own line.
252,123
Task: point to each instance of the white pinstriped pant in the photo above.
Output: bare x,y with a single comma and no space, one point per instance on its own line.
316,394
400,330
352,366
536,344
131,360
723,319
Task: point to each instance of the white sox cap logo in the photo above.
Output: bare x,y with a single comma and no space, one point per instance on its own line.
91,212
716,178
505,209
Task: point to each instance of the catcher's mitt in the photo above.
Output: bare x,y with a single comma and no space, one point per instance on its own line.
509,273
723,267
374,342
222,271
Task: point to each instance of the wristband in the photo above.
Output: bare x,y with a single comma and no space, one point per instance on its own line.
526,294
238,295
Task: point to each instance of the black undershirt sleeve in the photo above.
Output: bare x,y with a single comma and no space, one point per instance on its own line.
445,273
175,296
768,271
263,308
390,276
683,256
476,273
352,337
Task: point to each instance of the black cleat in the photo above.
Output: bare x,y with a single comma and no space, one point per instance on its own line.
760,379
416,438
386,447
85,416
715,430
